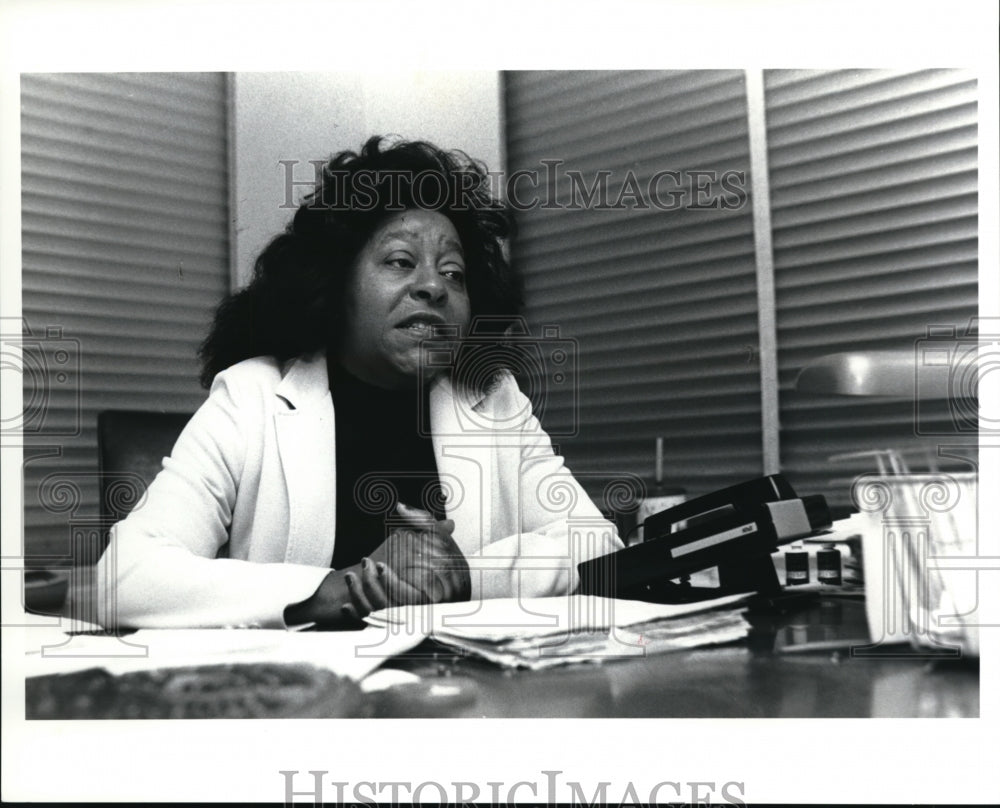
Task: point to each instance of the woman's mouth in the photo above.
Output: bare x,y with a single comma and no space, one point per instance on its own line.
421,325
421,329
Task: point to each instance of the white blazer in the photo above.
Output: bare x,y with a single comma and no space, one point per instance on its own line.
240,522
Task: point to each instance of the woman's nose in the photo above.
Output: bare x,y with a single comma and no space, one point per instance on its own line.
428,285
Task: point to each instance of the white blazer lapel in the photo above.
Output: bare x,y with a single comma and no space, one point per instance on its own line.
306,438
466,460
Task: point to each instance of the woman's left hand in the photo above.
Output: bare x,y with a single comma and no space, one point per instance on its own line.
427,565
451,580
366,592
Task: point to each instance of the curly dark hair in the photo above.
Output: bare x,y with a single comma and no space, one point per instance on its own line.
294,302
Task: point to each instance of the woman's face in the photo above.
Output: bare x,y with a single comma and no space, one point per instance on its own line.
408,278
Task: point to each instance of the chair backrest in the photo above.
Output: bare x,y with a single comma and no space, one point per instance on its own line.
131,446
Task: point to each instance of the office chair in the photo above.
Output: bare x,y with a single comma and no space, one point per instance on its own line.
131,446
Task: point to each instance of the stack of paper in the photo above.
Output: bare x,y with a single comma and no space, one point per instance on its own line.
544,632
353,654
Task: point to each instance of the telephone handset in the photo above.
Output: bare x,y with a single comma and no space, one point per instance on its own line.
735,529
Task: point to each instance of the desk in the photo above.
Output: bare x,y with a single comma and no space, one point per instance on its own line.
757,678
749,680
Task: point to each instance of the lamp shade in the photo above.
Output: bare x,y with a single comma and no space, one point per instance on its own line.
870,373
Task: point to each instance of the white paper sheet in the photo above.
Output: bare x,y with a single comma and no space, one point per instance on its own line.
514,618
544,632
643,639
348,653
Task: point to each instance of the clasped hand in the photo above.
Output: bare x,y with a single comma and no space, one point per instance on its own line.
418,563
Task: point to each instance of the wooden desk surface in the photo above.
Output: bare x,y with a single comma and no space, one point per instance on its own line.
756,679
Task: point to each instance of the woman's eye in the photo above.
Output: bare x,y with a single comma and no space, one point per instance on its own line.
454,273
400,262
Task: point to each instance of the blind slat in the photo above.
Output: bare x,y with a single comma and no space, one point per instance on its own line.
50,267
157,166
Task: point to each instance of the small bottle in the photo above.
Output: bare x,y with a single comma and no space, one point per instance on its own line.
660,498
828,569
796,566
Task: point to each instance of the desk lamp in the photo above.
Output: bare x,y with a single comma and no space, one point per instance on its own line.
890,374
942,370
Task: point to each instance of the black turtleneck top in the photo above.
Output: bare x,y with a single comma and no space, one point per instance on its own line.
383,457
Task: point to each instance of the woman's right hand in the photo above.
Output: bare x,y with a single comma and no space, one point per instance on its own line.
420,562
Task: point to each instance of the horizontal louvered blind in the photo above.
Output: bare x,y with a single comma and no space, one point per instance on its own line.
874,218
660,304
125,251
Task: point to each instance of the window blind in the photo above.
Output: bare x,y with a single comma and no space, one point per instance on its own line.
660,304
874,219
125,253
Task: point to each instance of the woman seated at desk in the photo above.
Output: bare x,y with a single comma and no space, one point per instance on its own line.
336,467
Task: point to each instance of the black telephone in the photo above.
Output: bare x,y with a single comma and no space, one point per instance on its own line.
735,529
